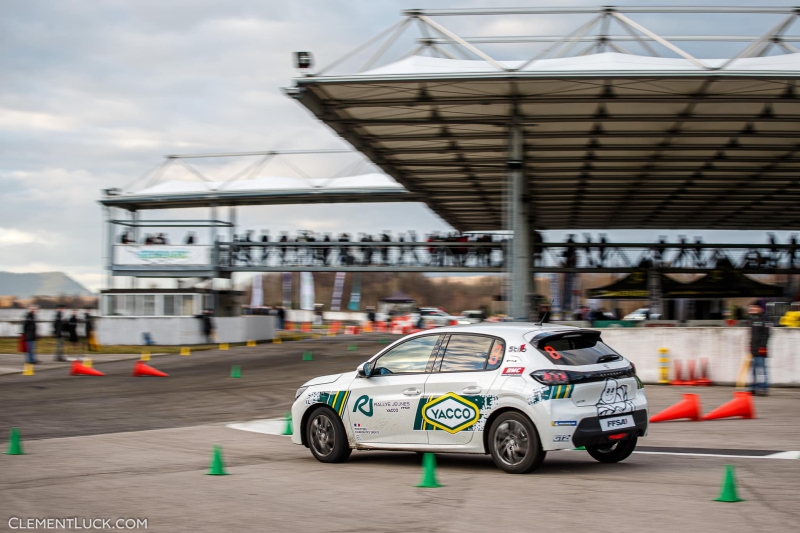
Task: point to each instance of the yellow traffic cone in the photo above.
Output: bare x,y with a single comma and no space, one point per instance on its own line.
185,350
27,369
276,340
223,346
145,355
88,362
250,344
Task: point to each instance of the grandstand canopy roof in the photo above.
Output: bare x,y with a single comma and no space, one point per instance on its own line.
166,189
612,139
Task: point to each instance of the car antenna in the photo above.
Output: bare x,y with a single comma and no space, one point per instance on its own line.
541,319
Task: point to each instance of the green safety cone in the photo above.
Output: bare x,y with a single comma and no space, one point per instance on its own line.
307,356
236,371
428,472
14,443
287,430
217,467
729,493
352,347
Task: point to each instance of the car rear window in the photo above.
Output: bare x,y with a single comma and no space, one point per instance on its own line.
575,350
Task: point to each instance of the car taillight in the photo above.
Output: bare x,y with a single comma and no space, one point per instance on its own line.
454,322
551,377
617,436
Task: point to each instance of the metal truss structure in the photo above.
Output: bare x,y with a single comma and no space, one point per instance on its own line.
227,186
608,126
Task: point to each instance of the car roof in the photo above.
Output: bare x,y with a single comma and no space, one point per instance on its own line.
500,329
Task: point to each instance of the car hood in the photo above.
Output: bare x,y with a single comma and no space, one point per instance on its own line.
321,380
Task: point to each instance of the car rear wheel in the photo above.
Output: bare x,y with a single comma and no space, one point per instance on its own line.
326,436
514,444
613,452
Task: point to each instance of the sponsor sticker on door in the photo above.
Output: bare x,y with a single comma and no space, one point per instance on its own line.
451,413
618,422
513,370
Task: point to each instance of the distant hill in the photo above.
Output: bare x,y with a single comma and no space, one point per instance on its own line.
39,284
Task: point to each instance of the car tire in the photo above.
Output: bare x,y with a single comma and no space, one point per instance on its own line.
613,453
326,436
514,444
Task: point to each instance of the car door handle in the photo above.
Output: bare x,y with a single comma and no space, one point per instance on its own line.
471,390
412,392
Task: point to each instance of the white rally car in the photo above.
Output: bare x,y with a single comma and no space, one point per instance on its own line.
513,390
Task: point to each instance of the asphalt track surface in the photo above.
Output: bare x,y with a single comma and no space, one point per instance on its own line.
120,446
199,389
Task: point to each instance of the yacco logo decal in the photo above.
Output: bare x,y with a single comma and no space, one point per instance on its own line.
513,370
361,402
451,413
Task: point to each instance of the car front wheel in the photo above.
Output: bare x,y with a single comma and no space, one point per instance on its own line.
614,452
326,436
514,444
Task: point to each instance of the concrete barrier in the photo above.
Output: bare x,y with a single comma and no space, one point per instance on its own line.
725,349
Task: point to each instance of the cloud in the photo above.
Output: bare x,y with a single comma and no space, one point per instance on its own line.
15,237
13,120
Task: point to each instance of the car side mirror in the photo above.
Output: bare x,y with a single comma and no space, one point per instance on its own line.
364,369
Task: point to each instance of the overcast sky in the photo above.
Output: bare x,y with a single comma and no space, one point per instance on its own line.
93,94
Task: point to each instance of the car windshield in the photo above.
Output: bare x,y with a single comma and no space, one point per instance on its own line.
578,349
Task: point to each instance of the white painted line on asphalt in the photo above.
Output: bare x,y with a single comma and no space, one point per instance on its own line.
781,455
269,426
784,455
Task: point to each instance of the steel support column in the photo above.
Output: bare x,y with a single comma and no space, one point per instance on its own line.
521,261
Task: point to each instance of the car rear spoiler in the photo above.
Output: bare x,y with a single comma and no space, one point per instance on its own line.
539,339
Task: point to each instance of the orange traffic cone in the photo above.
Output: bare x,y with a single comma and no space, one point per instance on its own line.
142,369
691,365
689,407
79,369
741,405
703,379
678,374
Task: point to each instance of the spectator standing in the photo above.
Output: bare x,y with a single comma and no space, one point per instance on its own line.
72,331
59,325
281,314
207,325
88,329
29,332
759,338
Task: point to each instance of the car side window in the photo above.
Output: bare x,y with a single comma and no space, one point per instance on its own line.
411,357
466,353
496,355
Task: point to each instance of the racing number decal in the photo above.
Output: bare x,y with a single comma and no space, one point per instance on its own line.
552,352
496,355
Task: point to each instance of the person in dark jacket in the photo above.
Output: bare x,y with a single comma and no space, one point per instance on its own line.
58,332
281,314
88,330
30,334
207,325
72,331
759,338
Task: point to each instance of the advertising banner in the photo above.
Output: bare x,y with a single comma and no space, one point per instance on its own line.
287,290
306,291
338,288
161,254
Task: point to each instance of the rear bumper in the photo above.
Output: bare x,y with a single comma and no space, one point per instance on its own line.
589,433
